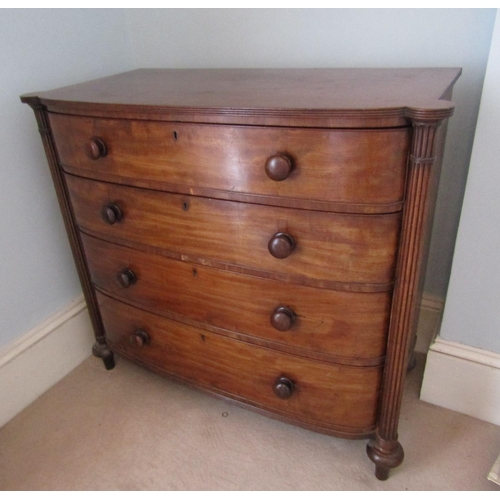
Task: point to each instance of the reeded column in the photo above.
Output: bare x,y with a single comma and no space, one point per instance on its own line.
100,348
385,450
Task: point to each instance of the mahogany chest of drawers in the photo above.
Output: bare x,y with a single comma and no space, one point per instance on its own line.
260,234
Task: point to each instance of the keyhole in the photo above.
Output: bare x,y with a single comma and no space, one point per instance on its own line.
185,206
175,135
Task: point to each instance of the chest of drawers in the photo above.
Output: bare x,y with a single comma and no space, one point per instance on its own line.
260,234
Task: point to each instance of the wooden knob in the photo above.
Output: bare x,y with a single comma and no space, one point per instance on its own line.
283,388
278,167
96,148
283,318
126,277
139,338
111,213
281,245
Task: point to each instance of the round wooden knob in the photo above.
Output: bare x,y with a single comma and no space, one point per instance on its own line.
283,318
281,245
283,388
96,148
139,338
278,167
126,277
111,213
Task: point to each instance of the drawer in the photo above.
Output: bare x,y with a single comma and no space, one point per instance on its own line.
344,165
326,246
345,324
322,394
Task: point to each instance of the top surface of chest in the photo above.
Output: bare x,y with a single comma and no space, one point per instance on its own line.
301,97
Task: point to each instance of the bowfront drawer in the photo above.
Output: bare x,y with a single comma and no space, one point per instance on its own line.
345,324
344,166
301,243
313,392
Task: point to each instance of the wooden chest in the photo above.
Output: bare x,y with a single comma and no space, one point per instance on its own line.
260,234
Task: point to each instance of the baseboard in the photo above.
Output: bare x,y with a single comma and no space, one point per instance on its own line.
40,358
494,474
431,311
463,379
432,303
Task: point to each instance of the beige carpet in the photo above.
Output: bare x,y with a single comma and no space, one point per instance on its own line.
129,429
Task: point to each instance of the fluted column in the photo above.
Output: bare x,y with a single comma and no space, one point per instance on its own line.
385,450
100,348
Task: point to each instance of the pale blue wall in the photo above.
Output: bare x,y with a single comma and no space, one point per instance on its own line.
472,312
39,50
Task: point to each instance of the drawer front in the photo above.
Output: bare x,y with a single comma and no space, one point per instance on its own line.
346,166
326,246
323,394
345,324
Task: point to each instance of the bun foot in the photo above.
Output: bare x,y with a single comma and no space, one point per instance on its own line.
101,350
385,455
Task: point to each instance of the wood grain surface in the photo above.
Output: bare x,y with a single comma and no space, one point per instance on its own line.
345,166
347,325
336,247
331,97
324,393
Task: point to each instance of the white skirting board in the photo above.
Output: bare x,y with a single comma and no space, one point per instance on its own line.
494,474
431,311
40,358
463,379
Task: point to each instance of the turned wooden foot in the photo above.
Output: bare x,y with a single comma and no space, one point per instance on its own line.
385,455
381,472
101,350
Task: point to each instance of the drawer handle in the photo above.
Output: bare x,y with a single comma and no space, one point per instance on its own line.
111,213
126,277
283,388
96,148
139,339
283,318
281,245
278,167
